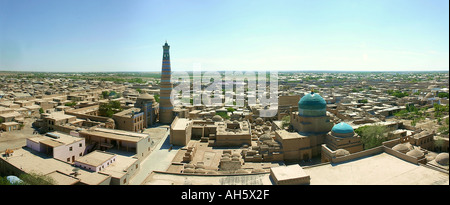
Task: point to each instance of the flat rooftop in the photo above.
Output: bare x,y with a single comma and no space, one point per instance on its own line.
116,169
95,158
122,132
161,178
283,173
115,134
62,179
289,135
56,142
59,116
128,112
181,124
380,169
31,161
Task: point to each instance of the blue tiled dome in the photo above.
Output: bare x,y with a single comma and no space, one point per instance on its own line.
342,128
312,101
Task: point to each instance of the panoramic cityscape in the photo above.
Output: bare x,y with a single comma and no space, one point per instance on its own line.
185,118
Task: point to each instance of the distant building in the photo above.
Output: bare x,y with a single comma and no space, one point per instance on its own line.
105,139
165,105
60,146
312,121
130,120
149,107
180,131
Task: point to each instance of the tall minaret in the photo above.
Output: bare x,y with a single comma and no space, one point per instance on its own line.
165,106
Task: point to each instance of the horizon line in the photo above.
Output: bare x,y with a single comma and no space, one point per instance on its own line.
360,71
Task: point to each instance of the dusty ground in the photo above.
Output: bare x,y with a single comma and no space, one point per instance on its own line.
156,133
16,138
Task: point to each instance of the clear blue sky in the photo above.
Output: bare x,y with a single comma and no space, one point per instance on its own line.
127,35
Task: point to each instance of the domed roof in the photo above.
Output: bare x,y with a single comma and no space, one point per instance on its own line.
200,171
431,156
146,96
342,152
235,154
442,159
415,153
258,170
200,166
217,118
188,170
241,171
259,121
342,128
212,172
401,148
189,166
312,101
265,137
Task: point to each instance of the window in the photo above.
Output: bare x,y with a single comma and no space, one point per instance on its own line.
136,166
70,148
68,159
125,180
80,144
80,154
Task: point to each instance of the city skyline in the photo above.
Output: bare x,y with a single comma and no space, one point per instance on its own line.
118,36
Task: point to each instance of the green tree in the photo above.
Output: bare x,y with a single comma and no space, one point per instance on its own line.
372,135
230,109
443,95
223,115
105,94
286,121
41,110
36,179
109,109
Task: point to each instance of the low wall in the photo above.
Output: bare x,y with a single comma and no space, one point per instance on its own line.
373,151
401,155
91,117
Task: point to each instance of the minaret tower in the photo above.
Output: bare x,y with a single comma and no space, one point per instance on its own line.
165,106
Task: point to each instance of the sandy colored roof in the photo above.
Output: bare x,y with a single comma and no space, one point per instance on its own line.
122,132
10,123
289,135
62,179
112,136
380,169
59,116
51,143
95,158
10,114
117,168
181,124
30,161
288,172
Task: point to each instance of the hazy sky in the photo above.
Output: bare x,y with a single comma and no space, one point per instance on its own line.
127,35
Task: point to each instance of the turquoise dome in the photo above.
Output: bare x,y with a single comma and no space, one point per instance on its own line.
312,101
342,128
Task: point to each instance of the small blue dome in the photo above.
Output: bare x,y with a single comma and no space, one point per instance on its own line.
342,128
312,101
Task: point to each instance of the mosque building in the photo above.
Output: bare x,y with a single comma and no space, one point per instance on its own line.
313,127
312,121
149,106
165,105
